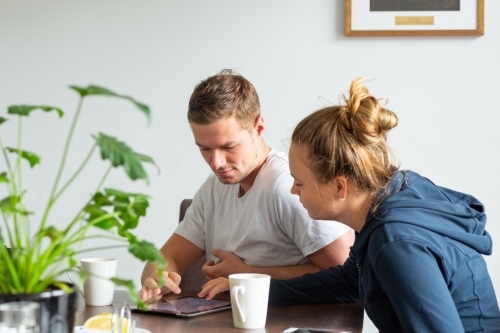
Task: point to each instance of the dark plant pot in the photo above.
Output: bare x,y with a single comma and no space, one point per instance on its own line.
57,309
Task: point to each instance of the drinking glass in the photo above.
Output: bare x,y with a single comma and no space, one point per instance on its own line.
117,323
19,317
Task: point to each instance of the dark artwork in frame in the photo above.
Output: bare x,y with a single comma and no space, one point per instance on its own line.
414,5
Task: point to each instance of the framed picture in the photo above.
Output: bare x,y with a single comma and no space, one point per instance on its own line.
414,18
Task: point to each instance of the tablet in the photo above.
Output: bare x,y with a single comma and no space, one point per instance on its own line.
187,306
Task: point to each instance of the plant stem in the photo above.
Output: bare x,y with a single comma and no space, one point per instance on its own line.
76,237
8,260
77,172
51,201
19,153
7,161
57,248
101,248
76,218
63,162
106,237
18,224
11,188
104,178
7,227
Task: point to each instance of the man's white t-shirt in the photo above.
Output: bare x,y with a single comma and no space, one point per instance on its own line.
268,226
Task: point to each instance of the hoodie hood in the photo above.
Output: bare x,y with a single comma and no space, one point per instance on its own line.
413,199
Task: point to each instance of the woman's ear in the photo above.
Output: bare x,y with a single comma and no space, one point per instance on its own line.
339,185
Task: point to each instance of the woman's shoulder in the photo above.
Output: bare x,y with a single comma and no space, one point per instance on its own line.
404,235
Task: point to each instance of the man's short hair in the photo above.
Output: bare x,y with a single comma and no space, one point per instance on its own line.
224,95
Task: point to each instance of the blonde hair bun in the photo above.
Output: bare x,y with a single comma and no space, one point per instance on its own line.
349,140
365,117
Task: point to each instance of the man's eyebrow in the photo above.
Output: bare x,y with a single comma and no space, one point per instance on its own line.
226,144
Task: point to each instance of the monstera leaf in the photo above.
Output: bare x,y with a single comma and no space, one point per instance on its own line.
95,90
122,155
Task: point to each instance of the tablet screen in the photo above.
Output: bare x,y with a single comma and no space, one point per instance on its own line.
187,306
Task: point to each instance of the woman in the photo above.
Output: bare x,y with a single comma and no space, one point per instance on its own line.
416,263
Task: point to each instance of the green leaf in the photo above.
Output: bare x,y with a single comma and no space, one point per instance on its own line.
134,210
2,120
145,250
52,233
95,90
10,205
4,178
96,212
128,235
101,200
130,221
122,155
129,285
148,159
32,158
63,286
82,275
25,110
129,207
72,261
118,193
139,205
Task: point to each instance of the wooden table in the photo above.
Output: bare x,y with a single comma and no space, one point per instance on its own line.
342,317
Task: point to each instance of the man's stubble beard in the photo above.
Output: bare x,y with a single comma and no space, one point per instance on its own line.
243,176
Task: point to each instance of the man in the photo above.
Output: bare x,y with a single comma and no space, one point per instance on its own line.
243,218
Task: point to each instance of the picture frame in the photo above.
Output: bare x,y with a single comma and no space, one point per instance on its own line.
392,18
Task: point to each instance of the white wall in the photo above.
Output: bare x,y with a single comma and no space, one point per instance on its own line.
443,89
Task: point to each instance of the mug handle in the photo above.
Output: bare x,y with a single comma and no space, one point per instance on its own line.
234,300
69,275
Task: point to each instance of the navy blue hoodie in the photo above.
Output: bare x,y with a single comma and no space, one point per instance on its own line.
416,264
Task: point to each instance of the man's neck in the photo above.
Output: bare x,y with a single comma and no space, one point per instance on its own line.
247,183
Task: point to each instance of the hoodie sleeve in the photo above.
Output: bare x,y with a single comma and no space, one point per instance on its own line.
332,285
410,273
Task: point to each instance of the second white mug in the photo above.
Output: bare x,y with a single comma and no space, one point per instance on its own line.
98,290
249,297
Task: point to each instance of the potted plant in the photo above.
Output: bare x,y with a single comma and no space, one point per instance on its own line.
31,262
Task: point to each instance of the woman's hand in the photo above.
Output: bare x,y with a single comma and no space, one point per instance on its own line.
213,287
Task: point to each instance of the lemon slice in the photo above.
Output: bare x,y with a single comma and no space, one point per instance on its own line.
103,322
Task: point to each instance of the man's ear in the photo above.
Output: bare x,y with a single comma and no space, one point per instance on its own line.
259,126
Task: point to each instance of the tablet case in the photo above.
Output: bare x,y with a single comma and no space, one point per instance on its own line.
186,307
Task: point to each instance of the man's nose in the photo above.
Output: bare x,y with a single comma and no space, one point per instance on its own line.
218,159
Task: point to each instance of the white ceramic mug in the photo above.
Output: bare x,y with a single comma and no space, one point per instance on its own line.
249,297
98,290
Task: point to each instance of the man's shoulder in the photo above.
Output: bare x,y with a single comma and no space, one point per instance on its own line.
277,156
276,163
276,171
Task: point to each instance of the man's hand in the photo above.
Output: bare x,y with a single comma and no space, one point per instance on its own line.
228,264
151,291
213,287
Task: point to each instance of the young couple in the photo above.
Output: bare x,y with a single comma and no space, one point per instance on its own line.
416,263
